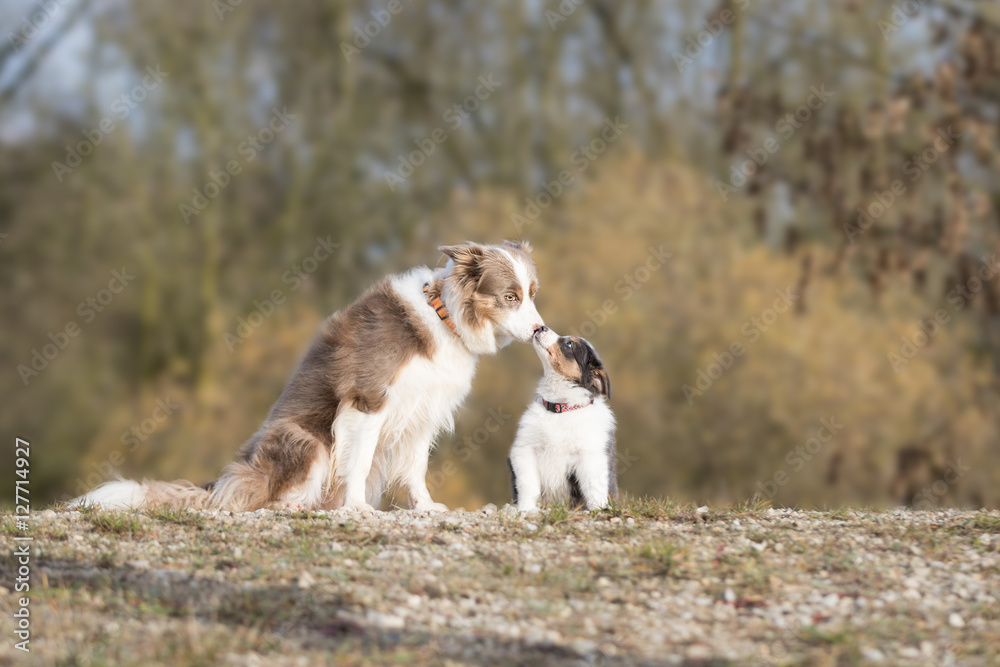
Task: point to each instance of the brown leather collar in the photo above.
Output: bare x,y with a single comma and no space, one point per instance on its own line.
434,299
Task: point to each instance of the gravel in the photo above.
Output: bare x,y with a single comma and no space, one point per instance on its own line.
646,583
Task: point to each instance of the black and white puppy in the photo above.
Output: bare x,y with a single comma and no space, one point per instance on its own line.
565,444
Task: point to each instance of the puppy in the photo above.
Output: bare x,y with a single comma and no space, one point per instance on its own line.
565,444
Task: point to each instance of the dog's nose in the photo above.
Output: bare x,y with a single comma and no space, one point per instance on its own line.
539,328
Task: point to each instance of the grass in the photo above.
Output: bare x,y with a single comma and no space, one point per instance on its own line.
659,558
179,517
117,523
555,515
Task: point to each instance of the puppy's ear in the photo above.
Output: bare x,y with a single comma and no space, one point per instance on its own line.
523,246
468,258
600,383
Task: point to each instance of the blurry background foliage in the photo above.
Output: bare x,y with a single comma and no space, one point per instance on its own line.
692,88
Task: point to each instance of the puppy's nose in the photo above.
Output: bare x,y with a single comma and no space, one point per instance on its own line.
539,328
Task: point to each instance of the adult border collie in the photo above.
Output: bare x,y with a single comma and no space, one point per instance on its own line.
381,379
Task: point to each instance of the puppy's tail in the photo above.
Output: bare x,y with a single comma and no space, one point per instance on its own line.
125,494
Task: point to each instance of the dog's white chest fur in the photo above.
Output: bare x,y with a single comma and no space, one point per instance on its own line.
551,447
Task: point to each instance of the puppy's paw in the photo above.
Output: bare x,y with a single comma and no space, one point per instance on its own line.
430,506
527,509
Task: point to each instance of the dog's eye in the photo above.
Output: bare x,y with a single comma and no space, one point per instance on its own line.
510,297
569,344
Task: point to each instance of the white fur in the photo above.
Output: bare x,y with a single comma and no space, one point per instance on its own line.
393,445
120,494
549,446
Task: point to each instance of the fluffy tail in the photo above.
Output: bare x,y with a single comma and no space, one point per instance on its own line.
126,494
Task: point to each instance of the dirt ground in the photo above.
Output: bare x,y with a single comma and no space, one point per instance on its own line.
647,583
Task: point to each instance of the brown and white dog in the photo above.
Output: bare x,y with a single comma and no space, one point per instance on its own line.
380,381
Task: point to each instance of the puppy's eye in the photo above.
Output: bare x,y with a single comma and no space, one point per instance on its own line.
510,297
569,344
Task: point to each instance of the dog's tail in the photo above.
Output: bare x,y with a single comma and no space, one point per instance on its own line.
125,494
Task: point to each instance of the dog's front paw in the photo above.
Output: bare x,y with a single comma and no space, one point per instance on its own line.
360,506
430,506
527,509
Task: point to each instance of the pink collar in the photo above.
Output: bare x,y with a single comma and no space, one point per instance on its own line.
562,407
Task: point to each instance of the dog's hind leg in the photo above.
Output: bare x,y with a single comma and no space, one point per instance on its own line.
355,439
288,468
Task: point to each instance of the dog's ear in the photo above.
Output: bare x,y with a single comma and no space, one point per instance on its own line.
468,258
523,246
599,382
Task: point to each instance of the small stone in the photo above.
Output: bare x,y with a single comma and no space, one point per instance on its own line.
142,564
630,521
729,596
955,621
489,508
306,580
873,654
702,510
530,526
698,652
583,647
387,621
435,589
